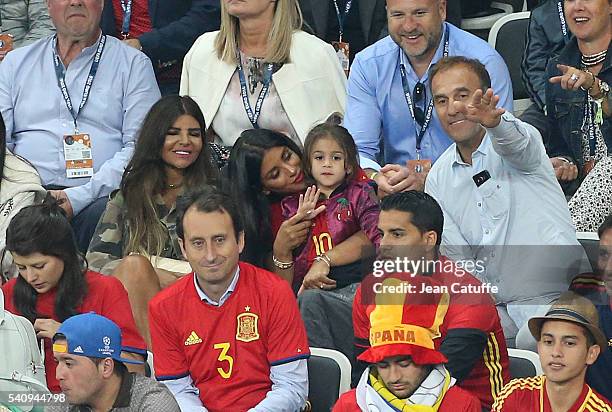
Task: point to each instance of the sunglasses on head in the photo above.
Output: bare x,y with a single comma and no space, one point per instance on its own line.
418,94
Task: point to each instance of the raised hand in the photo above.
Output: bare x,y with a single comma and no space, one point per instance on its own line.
308,202
481,108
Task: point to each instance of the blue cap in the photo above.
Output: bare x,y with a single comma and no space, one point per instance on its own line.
91,335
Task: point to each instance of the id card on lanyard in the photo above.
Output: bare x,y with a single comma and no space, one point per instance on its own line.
126,6
419,165
254,114
77,146
342,48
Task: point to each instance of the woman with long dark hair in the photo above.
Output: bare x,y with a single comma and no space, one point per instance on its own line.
19,187
265,166
54,282
135,239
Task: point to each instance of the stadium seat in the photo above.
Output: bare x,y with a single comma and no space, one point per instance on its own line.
590,243
524,363
483,18
508,37
329,376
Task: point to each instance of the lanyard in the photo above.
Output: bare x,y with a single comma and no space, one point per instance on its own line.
342,17
60,72
126,5
408,95
254,115
590,121
562,18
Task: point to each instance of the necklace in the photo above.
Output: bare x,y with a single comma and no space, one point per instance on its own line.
255,72
174,186
590,60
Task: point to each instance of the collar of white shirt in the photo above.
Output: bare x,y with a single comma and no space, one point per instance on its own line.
483,149
224,297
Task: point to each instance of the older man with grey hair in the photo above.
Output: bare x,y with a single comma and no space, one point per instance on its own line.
73,104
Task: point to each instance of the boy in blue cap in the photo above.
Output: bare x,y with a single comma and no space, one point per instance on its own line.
92,374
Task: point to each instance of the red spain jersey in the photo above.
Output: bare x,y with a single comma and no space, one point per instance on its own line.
227,350
106,296
470,317
529,394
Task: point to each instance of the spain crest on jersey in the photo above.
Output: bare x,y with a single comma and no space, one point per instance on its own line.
246,330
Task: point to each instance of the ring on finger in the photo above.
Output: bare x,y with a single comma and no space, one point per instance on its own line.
574,77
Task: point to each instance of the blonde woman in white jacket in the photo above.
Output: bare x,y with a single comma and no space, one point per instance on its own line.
19,187
262,71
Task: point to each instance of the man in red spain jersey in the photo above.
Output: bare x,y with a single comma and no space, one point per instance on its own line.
228,337
407,373
471,334
569,340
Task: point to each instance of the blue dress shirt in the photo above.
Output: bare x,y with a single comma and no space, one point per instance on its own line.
36,116
376,107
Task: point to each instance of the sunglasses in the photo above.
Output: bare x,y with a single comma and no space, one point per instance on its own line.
418,94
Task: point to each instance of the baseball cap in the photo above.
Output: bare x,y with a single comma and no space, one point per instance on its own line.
574,308
91,335
406,324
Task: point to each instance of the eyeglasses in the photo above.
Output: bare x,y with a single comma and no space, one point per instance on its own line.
418,94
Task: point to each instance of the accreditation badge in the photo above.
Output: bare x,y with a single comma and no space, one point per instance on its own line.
419,165
343,53
6,42
247,330
77,152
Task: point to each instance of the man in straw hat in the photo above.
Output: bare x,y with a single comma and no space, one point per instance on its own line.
569,340
407,373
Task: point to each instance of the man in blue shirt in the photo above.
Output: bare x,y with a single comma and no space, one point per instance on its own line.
389,98
73,104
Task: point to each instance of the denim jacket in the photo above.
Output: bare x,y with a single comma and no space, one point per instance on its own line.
566,107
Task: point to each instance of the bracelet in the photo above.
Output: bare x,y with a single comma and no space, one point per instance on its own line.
323,258
280,264
373,175
565,160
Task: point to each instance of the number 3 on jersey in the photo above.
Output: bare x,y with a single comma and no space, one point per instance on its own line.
224,357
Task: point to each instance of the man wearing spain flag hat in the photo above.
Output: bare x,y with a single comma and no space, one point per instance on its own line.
407,373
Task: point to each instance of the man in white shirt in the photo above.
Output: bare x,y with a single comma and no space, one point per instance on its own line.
500,196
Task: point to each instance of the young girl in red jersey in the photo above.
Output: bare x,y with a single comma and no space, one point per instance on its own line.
341,203
54,283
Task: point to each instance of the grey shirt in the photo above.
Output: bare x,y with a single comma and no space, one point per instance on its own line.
137,393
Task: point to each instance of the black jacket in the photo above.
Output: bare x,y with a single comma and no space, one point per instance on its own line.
176,26
545,39
566,107
372,18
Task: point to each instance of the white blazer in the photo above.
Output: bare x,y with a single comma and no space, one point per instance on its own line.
311,86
